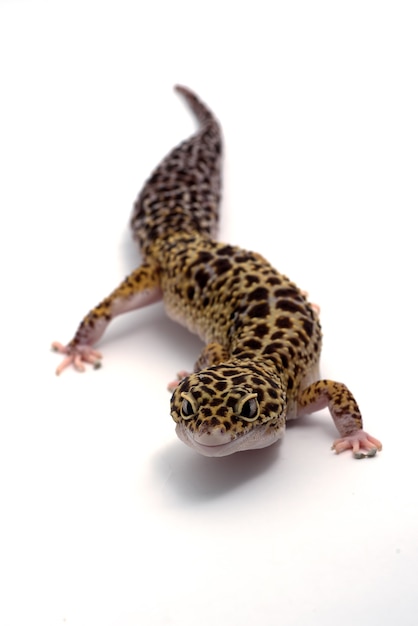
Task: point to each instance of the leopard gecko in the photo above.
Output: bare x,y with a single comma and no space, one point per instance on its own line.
260,363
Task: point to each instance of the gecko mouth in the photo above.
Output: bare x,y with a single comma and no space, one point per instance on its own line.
216,443
224,445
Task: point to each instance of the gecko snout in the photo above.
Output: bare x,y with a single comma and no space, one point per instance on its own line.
208,435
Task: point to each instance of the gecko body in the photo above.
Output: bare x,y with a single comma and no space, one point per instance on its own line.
260,363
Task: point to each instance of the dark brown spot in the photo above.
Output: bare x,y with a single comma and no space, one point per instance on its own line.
205,379
291,351
254,344
231,402
272,407
308,326
272,348
185,384
230,371
259,310
260,293
251,279
242,354
190,292
222,265
261,330
290,305
286,292
274,280
239,380
284,322
202,278
204,257
219,288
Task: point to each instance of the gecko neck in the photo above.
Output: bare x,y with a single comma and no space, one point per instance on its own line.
266,367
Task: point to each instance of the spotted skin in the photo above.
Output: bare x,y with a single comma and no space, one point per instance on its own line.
260,363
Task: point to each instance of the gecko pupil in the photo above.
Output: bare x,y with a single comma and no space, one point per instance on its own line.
186,408
249,408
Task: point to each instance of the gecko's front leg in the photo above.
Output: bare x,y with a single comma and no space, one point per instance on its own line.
345,413
140,288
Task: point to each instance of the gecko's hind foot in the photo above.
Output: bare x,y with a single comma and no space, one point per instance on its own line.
76,356
362,444
174,383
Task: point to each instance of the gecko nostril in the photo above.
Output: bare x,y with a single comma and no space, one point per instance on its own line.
212,436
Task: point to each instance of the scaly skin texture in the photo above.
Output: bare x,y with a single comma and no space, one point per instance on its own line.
260,363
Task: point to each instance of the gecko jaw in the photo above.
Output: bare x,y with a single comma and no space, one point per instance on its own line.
209,445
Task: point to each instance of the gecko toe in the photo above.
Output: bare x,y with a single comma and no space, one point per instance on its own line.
365,455
362,444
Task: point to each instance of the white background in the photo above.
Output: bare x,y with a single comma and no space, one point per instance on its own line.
105,517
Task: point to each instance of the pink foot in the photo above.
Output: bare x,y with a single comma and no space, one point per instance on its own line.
180,375
362,444
315,307
75,356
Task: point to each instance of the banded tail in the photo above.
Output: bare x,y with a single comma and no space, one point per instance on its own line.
183,193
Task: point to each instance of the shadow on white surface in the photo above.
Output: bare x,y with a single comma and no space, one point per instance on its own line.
194,479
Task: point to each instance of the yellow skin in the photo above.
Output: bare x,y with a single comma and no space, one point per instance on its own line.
260,363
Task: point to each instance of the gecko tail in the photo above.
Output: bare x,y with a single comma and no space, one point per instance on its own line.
202,112
183,193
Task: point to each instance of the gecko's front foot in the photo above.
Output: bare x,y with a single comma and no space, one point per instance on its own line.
362,444
76,355
174,383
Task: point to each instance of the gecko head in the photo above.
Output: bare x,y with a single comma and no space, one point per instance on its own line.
228,408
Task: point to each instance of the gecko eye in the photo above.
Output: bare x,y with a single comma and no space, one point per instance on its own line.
188,406
247,407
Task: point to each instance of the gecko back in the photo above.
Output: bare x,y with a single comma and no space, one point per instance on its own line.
183,192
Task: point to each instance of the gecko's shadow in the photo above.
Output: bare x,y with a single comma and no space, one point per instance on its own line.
192,478
195,478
